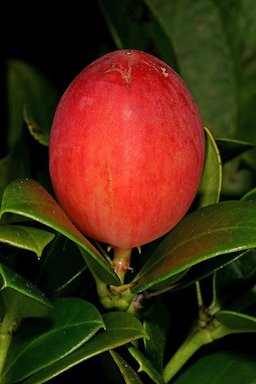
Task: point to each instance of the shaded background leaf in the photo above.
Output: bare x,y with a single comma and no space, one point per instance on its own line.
40,344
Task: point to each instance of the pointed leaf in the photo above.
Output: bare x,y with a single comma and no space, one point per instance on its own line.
128,373
24,237
207,67
121,328
28,198
21,297
236,322
210,185
70,324
217,229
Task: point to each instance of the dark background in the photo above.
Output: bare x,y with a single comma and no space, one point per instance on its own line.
58,38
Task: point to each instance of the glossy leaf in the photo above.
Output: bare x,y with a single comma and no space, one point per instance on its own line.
195,31
28,198
211,231
128,373
236,322
121,328
21,297
70,324
210,185
145,365
220,367
24,237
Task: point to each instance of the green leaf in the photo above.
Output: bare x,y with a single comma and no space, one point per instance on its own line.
207,268
211,231
196,33
250,196
63,256
128,373
146,366
28,198
229,367
21,297
15,164
70,324
26,86
210,185
132,26
231,148
24,237
236,322
234,283
156,324
41,135
239,20
121,328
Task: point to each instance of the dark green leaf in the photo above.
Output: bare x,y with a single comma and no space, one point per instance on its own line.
128,373
132,26
231,148
14,164
236,322
239,20
210,185
63,256
28,198
250,196
217,229
207,268
221,367
196,33
121,328
238,178
146,366
20,297
24,237
70,324
27,87
156,324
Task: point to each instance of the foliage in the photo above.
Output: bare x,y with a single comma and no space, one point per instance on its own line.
190,298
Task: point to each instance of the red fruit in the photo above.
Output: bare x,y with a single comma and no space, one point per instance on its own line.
126,149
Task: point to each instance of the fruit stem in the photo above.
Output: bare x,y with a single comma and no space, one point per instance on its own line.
121,261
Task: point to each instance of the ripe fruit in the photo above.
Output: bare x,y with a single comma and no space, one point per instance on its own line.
126,149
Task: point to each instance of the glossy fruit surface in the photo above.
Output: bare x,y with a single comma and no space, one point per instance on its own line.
126,149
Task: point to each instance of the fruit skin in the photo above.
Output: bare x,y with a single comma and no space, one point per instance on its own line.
126,149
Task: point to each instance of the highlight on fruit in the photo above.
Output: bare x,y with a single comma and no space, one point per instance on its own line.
126,149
